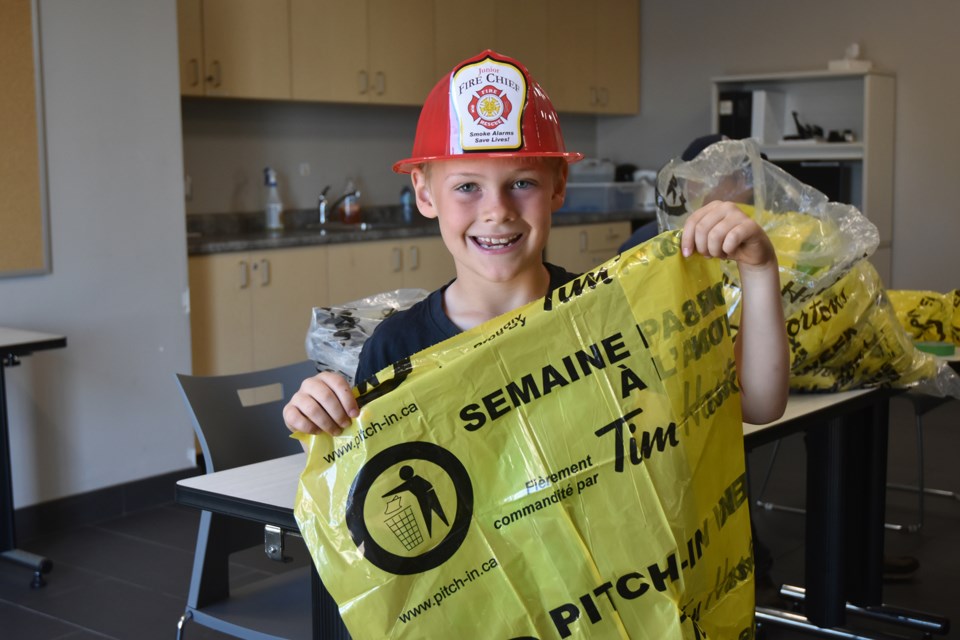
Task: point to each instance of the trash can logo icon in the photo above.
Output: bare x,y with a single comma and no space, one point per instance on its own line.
419,508
403,523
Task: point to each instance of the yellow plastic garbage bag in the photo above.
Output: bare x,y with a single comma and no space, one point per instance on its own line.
573,469
842,329
848,337
928,315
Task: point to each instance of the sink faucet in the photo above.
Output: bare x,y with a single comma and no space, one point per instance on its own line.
322,206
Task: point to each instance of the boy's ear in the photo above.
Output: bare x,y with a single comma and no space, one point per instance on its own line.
559,187
421,191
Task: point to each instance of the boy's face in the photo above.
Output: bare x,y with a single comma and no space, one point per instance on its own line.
494,213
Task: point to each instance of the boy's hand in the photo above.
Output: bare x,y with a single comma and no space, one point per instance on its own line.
722,230
323,403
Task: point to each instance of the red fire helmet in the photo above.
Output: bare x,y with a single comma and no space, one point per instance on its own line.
487,107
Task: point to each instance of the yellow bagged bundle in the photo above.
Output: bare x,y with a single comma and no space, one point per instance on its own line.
573,469
848,337
928,315
842,330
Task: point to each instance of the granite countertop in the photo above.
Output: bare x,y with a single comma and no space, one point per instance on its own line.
224,233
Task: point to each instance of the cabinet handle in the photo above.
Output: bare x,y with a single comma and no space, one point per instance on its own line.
414,258
244,275
604,96
264,273
363,81
396,259
381,79
215,76
194,72
583,241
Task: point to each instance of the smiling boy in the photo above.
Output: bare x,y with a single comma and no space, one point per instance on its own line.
490,164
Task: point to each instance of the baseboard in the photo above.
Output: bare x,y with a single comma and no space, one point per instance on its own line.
96,506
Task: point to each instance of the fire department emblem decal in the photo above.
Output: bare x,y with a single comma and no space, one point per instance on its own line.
490,107
487,98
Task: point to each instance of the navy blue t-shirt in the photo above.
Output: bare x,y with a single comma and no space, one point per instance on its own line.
420,327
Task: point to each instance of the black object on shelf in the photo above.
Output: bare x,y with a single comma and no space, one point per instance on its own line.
734,110
831,178
805,131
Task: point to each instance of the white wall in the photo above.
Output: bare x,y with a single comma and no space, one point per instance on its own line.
105,410
685,43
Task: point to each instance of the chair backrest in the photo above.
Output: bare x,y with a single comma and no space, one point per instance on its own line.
238,418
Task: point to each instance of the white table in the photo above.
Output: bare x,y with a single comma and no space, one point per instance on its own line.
846,491
265,492
14,344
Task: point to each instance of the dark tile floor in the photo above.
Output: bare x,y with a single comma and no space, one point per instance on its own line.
127,578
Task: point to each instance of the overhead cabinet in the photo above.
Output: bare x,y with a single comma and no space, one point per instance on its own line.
586,55
593,56
234,48
378,51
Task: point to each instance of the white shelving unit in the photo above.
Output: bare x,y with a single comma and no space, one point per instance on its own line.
864,103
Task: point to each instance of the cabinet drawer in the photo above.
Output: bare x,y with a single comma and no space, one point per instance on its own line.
604,237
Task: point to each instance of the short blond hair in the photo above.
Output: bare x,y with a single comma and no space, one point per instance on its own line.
555,164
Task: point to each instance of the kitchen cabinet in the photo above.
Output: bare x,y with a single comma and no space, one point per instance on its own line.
579,248
593,61
516,28
378,51
454,40
234,48
361,269
251,310
190,46
864,103
521,33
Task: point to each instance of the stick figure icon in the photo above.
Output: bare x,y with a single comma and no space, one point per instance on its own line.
423,491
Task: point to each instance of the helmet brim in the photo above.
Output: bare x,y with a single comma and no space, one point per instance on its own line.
408,165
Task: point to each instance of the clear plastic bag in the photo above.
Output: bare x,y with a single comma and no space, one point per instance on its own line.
842,329
337,334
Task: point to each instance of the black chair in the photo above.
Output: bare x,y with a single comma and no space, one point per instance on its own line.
238,420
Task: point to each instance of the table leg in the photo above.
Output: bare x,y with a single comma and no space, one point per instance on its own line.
866,476
327,623
8,531
826,524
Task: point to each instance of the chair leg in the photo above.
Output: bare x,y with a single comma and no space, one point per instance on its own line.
766,476
187,615
772,506
920,488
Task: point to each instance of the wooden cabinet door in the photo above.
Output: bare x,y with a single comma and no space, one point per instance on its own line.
580,248
190,46
401,50
328,45
358,270
221,320
427,264
287,284
618,56
570,80
455,38
247,48
594,56
520,31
